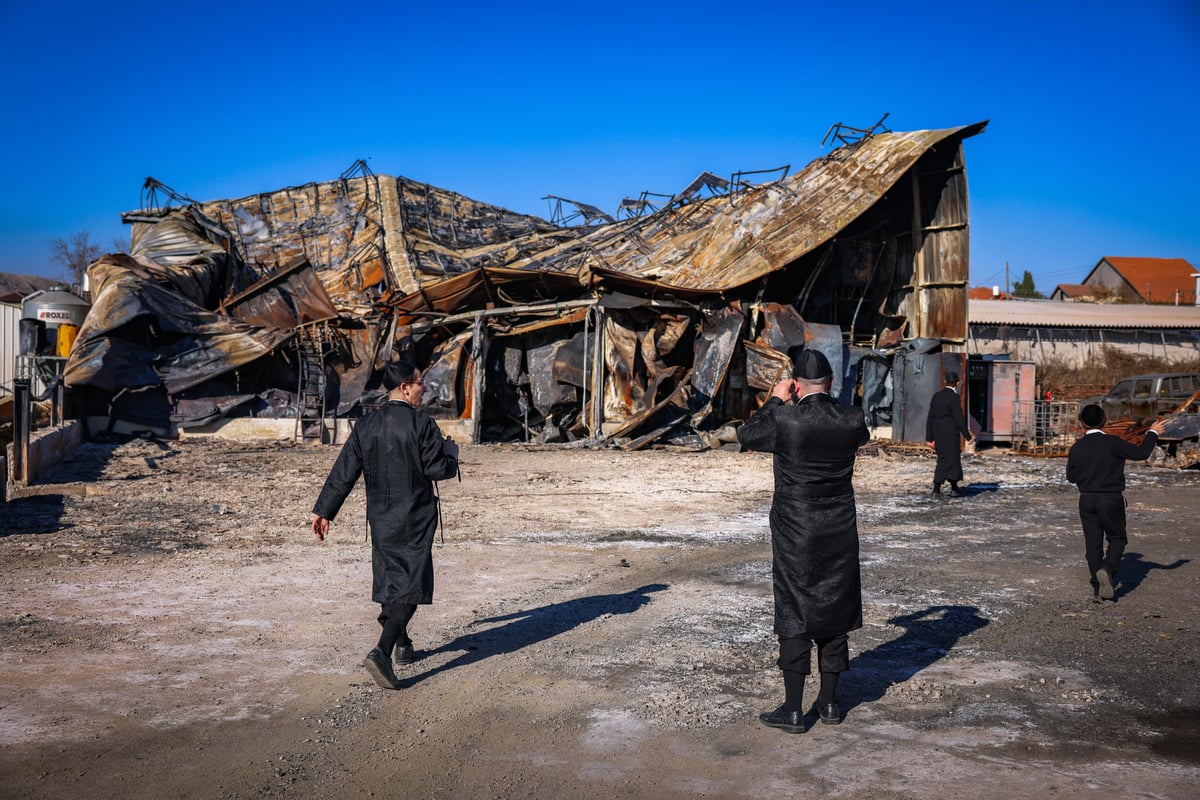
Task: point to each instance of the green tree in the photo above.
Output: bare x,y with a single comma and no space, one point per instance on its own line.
1025,287
74,254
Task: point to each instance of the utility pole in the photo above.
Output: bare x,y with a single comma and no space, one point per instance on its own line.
1007,285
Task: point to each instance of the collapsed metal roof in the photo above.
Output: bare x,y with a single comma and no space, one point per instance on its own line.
867,246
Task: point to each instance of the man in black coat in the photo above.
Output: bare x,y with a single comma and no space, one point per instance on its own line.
400,452
814,533
943,427
1096,464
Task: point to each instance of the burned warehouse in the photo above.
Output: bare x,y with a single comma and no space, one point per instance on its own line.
663,323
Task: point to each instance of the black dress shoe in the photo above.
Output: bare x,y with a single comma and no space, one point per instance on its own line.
379,667
787,721
829,713
405,655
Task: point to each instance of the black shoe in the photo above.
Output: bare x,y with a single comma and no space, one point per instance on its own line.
936,490
956,492
379,667
787,721
829,713
1104,577
405,655
1096,596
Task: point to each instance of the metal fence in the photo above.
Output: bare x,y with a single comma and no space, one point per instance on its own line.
1046,428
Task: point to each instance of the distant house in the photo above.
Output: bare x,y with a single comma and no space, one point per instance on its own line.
1073,292
1144,280
987,293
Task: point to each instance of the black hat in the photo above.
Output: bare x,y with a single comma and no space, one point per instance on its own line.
1092,416
396,373
811,365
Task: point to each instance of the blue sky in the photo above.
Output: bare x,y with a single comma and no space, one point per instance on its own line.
1091,150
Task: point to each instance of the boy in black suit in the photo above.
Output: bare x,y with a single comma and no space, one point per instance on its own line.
1096,464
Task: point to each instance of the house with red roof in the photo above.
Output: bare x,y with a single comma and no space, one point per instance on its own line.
1073,292
1169,281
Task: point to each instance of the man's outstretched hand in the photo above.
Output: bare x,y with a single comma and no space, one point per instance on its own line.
320,526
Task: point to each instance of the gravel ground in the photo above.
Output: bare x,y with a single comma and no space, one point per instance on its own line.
601,628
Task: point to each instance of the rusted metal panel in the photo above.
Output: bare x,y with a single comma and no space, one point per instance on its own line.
765,367
292,296
945,313
941,262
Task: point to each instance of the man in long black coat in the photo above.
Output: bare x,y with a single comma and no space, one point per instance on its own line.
400,452
1096,464
814,533
943,427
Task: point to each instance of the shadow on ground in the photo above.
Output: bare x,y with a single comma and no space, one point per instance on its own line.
534,625
928,636
1135,569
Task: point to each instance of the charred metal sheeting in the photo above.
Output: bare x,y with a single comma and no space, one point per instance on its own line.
291,297
765,367
715,346
667,324
1181,440
1181,426
147,328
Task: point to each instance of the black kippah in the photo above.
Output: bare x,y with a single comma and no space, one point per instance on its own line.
396,373
812,365
1092,416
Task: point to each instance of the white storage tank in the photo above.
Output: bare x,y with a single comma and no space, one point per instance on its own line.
60,311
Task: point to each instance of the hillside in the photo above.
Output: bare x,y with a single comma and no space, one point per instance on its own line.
11,284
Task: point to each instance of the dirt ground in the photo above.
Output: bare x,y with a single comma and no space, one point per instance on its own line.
601,629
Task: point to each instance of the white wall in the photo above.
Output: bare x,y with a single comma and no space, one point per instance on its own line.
10,345
1078,346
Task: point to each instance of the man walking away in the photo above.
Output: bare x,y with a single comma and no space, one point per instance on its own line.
943,427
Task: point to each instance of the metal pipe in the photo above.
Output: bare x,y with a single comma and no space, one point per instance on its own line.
587,318
22,411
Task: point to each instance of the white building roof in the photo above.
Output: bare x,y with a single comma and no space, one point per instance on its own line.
1055,314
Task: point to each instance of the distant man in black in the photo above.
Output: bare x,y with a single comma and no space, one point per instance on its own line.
1096,464
943,427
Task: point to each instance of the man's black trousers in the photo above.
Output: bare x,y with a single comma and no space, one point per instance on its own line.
1103,517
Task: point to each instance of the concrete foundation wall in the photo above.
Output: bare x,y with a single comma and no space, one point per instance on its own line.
334,431
47,446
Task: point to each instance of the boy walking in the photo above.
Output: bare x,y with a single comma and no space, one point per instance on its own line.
1096,464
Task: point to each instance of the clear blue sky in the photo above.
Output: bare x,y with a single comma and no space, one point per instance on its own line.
1092,149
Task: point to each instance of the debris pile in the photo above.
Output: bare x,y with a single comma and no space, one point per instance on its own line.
663,323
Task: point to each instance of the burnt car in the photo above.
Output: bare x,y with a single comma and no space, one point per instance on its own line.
1147,397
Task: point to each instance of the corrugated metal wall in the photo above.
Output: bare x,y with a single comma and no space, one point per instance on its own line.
10,343
942,265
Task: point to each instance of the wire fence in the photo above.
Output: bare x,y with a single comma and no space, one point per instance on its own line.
1045,428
